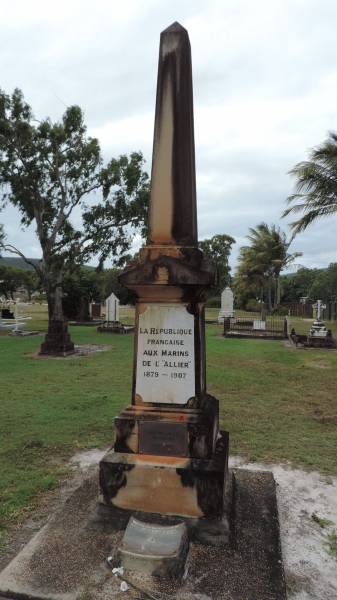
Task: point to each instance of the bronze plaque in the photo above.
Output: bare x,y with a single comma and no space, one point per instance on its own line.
163,439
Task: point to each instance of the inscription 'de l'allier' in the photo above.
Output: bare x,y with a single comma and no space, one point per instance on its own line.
165,355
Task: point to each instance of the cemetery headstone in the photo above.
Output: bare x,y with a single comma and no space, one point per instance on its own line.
169,456
112,309
318,328
57,341
95,310
259,324
227,305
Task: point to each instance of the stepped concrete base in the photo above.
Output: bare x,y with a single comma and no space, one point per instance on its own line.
66,560
57,341
169,485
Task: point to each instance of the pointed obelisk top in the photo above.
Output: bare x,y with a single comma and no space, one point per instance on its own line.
175,28
173,213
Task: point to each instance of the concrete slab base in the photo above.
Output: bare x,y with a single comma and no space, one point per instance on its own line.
66,560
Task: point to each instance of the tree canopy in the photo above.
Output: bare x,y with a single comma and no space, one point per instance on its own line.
218,249
261,263
298,285
11,279
54,174
316,185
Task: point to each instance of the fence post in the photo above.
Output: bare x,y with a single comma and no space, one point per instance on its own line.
285,327
226,325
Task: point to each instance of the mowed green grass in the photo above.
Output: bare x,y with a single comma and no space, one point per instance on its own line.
278,404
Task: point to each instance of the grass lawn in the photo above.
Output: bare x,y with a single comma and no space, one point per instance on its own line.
279,404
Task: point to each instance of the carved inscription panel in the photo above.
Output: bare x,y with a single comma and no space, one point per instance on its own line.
163,439
165,356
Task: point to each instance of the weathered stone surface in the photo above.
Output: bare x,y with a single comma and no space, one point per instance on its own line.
66,559
168,485
173,216
158,550
201,425
57,340
181,469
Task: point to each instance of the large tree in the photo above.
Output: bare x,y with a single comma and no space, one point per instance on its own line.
218,248
298,285
324,286
261,263
316,185
54,174
11,279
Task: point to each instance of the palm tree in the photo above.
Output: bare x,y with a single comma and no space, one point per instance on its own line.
316,185
261,263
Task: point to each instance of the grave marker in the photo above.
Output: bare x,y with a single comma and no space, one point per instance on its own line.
112,309
169,456
227,305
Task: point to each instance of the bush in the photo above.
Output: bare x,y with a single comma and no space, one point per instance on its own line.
214,302
280,311
254,306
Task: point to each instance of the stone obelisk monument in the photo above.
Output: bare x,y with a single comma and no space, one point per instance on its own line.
169,456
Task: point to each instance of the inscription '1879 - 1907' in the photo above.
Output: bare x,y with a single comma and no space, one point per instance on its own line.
165,355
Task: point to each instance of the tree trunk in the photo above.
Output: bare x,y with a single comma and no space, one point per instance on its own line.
83,312
278,291
269,295
57,314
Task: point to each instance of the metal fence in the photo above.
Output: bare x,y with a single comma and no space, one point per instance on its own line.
307,311
273,327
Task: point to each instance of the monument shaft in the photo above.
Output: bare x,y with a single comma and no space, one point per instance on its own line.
173,215
169,456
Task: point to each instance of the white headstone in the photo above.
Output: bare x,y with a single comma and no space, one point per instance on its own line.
112,308
227,305
318,328
319,307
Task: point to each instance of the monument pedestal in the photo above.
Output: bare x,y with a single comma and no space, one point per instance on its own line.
168,485
57,340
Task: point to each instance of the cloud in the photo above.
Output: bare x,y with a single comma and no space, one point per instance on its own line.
265,88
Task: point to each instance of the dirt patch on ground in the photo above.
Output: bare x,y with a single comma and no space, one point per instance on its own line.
311,573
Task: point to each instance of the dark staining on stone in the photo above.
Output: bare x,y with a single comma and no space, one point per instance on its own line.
122,446
175,73
197,271
124,429
208,477
112,479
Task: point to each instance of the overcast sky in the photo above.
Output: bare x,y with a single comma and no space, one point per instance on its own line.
265,91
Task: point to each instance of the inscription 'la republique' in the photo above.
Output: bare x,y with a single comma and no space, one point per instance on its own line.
155,331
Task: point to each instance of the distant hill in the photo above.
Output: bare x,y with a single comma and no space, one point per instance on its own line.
16,262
